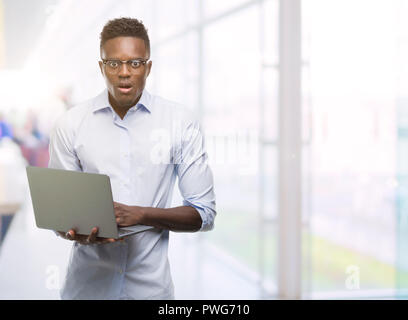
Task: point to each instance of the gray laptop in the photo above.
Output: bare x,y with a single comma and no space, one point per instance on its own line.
64,200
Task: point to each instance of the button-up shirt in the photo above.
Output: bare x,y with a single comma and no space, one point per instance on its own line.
156,142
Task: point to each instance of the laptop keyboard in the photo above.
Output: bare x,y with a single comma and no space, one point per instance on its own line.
123,231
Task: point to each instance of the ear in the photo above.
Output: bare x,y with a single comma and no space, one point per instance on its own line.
149,67
101,67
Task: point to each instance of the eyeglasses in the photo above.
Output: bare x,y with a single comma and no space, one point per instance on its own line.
113,66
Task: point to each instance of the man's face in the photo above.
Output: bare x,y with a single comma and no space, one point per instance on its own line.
126,86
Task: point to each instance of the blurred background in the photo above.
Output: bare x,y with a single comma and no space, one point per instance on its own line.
304,105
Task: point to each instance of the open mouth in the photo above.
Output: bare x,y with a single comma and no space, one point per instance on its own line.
125,88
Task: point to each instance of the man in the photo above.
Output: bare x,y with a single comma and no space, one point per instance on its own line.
143,142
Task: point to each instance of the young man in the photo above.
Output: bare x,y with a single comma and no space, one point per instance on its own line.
143,142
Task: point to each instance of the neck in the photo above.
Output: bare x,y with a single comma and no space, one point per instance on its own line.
121,110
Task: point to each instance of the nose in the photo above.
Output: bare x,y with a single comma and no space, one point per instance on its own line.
124,70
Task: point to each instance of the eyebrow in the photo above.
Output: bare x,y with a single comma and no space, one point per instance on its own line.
117,59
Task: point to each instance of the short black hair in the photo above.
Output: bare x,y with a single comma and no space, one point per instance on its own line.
125,27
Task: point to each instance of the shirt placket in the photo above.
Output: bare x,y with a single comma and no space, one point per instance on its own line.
125,192
123,247
125,164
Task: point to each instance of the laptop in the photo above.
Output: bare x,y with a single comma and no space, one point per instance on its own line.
64,200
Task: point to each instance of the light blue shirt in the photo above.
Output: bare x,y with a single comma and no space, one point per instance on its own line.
143,154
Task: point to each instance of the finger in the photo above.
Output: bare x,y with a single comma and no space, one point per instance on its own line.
92,236
105,240
70,234
118,210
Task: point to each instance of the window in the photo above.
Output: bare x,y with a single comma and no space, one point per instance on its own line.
352,148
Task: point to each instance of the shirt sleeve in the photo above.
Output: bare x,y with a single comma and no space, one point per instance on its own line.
195,176
62,154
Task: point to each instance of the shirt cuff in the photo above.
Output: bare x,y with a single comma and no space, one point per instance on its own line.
207,219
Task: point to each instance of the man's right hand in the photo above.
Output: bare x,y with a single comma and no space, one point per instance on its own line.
84,239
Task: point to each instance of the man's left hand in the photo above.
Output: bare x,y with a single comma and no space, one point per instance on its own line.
127,215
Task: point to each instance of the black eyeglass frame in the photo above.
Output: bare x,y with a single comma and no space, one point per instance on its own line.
142,61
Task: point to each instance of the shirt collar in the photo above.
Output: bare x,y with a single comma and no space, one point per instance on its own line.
102,101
